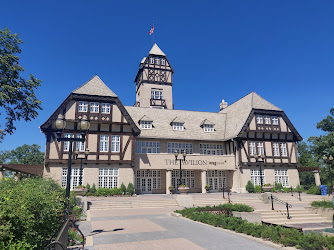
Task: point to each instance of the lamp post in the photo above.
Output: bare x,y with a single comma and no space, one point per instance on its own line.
82,157
329,161
60,125
176,154
260,159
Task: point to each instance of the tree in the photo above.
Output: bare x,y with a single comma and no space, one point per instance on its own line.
17,97
324,144
26,154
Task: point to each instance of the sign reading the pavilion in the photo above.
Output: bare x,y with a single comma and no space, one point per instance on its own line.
170,162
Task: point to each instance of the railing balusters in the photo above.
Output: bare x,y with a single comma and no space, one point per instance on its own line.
287,205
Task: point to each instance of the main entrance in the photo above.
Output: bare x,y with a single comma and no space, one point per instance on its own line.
147,180
216,179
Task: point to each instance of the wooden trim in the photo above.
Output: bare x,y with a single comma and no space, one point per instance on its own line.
47,148
121,147
126,147
133,141
98,147
97,162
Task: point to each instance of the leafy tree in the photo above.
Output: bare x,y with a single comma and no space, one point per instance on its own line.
26,154
17,97
324,144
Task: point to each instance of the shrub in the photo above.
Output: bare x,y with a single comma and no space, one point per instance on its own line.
93,189
279,187
257,189
123,188
314,190
130,189
326,204
30,212
250,187
89,190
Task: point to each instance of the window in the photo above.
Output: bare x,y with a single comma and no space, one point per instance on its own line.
94,107
163,61
151,60
283,149
188,178
275,120
178,126
146,124
105,108
256,175
260,149
276,149
281,176
74,177
267,119
156,94
157,61
143,175
252,150
211,149
104,143
115,143
179,147
147,147
208,128
67,143
259,119
80,146
108,177
83,107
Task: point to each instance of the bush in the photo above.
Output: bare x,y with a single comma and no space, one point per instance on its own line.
314,190
123,188
279,187
326,204
93,189
257,189
30,212
130,189
89,190
250,187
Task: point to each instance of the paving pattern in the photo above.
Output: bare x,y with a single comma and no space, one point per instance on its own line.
157,229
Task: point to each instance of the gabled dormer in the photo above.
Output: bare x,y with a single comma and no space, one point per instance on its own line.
154,81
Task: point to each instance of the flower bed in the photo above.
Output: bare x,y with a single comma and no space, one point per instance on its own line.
276,234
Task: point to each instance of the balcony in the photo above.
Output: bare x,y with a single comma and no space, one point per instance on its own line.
158,103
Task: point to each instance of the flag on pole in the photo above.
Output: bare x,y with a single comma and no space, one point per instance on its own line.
152,30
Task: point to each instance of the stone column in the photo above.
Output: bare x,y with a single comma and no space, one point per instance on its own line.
317,178
203,178
168,179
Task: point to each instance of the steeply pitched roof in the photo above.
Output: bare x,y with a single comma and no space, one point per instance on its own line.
95,86
156,51
192,124
238,112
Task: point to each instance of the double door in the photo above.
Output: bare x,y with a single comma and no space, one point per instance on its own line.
146,185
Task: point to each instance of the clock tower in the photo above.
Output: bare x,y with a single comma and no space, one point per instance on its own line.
154,81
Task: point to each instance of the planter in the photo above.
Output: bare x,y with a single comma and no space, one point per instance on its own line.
207,190
267,188
80,191
184,190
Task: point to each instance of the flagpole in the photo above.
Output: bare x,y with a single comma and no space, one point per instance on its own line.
153,32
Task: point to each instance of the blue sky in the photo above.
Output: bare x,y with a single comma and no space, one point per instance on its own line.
282,50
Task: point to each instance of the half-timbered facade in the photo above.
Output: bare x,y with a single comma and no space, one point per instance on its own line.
137,143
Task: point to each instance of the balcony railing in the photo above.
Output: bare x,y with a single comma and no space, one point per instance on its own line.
158,102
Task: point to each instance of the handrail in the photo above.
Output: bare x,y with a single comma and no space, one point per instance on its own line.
61,241
287,205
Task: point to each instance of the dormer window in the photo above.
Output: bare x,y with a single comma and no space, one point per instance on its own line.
157,61
105,108
259,119
83,106
146,124
94,107
208,128
178,126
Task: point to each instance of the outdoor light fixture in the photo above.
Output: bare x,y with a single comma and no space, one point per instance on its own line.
184,154
329,161
260,159
81,158
60,124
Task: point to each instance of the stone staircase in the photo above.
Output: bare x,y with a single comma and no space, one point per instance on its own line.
207,201
123,204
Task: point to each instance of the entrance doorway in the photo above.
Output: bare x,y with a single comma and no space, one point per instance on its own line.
147,180
216,179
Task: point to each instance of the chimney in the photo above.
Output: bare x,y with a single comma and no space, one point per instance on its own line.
223,105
